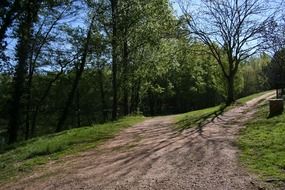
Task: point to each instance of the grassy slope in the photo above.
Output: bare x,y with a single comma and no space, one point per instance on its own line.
262,145
192,119
250,97
39,151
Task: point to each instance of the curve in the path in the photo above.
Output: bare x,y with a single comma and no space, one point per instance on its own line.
152,155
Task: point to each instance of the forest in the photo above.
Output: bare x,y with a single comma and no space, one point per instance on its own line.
73,63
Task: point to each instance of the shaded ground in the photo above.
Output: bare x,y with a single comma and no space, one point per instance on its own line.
152,155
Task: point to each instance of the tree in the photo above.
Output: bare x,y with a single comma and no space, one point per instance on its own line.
50,17
114,7
9,12
232,31
254,77
23,48
137,39
276,68
79,71
274,33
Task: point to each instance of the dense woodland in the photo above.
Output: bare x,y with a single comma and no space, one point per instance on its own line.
73,63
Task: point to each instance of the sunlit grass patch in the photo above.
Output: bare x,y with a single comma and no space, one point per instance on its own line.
40,150
262,145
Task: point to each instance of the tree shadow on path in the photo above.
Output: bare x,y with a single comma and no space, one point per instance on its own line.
201,121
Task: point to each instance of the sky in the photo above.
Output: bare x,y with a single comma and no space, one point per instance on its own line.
176,7
175,4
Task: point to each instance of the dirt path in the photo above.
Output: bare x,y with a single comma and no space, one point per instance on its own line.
153,156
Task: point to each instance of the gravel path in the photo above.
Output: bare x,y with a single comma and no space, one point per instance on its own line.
153,156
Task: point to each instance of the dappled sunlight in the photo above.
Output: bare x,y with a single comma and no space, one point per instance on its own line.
154,154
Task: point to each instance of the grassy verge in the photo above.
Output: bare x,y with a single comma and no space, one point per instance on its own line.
262,145
39,151
250,97
196,118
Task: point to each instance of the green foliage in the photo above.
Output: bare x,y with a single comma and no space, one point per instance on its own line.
199,117
250,97
161,70
29,154
276,68
254,78
262,144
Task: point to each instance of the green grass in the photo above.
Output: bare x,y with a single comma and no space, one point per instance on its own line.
194,118
262,145
35,152
25,157
250,97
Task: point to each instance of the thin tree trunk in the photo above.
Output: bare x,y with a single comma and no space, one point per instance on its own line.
151,103
78,114
125,76
78,75
45,95
29,103
135,97
70,98
114,5
102,92
132,101
230,90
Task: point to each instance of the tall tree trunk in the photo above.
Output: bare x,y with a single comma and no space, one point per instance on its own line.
78,114
230,90
102,92
29,102
70,97
125,60
22,54
78,75
114,5
42,99
132,101
151,103
135,97
17,98
125,76
45,95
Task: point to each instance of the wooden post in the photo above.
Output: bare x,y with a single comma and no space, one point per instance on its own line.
276,107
